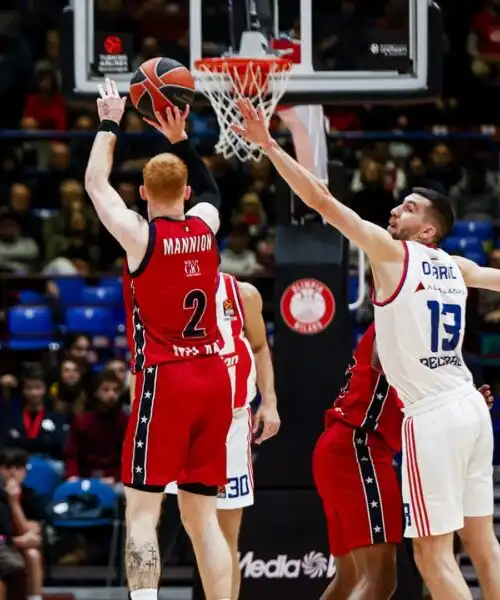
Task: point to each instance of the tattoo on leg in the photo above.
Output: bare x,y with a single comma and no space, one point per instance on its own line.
143,564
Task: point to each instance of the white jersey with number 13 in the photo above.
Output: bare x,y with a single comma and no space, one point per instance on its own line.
420,329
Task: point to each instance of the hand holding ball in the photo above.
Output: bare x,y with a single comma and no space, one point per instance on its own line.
161,83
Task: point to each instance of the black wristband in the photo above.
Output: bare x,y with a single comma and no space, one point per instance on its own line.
109,125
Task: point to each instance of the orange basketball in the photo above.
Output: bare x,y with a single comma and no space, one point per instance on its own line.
160,83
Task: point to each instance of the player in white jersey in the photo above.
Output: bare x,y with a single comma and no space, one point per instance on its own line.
246,354
419,297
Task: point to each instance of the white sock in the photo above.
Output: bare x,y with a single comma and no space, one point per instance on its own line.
148,594
35,597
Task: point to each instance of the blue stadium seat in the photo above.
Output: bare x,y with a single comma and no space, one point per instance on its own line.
477,257
107,296
70,289
42,477
31,297
30,328
88,503
115,282
480,229
94,320
462,245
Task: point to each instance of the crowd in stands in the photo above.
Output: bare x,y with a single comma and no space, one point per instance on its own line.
69,404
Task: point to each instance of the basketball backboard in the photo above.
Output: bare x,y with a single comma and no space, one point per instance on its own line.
345,50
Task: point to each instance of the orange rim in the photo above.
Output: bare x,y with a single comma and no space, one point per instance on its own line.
218,65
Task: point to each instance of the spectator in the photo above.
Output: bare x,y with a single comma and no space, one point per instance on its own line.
46,105
77,237
265,254
416,176
483,43
18,252
96,437
475,199
78,348
67,394
373,202
37,429
443,167
10,404
27,513
20,208
52,60
59,169
119,367
237,258
251,213
12,565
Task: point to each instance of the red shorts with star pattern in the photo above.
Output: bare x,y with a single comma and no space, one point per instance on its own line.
177,431
359,488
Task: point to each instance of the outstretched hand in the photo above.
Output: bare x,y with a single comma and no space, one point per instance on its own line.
172,125
255,127
110,105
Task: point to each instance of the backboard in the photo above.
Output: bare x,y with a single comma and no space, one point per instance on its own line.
345,50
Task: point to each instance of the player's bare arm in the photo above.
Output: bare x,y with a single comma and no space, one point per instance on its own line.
125,225
173,126
267,416
372,239
475,276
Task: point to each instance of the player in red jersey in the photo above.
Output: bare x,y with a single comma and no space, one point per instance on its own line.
181,411
354,475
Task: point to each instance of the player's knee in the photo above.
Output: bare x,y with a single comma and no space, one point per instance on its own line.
432,557
483,546
32,559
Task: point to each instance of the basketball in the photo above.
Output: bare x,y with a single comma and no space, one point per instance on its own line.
160,83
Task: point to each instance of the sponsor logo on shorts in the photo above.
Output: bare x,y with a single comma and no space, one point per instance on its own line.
307,306
314,565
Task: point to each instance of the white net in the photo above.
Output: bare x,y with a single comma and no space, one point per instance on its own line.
225,81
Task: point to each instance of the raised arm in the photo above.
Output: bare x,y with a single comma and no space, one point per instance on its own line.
127,226
267,417
173,126
475,276
375,241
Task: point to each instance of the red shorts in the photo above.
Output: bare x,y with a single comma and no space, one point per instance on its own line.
179,423
359,488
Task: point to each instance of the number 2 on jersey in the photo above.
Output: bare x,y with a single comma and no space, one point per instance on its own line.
452,330
196,301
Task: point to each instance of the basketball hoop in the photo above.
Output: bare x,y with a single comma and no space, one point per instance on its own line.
226,80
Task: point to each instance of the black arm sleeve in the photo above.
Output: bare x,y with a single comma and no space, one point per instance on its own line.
199,176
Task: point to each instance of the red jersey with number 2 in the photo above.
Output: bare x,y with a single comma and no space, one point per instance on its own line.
367,401
170,299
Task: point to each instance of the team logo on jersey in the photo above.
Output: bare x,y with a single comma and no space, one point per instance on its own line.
307,306
228,307
191,267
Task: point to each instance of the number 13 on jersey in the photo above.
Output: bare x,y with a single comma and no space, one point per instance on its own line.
446,325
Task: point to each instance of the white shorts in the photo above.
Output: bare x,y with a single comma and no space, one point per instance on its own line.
238,492
447,468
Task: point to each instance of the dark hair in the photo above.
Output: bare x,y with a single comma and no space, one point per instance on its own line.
240,229
13,457
442,209
34,374
105,376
